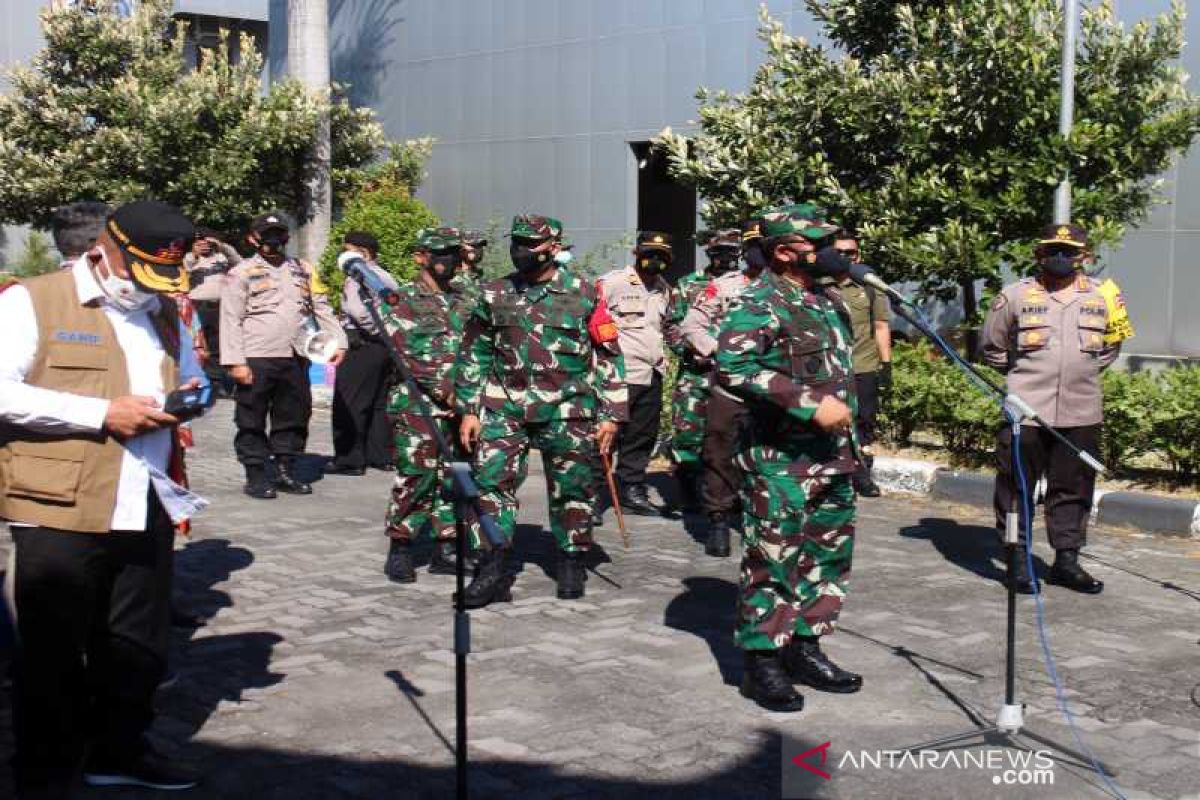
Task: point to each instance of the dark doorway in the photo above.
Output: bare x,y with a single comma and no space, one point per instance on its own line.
665,204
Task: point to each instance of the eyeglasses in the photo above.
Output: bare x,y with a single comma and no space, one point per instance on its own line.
849,252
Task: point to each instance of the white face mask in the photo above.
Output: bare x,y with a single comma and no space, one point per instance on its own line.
563,258
121,292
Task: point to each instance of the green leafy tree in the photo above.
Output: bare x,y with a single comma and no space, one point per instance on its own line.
392,215
934,130
108,110
36,258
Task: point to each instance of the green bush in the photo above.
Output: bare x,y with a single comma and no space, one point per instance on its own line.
1175,419
1146,414
393,216
1129,398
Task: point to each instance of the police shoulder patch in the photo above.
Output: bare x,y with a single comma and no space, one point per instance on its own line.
999,302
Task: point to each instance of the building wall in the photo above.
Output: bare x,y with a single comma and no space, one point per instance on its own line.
534,102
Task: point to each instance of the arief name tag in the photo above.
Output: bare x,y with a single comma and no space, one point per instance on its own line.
76,337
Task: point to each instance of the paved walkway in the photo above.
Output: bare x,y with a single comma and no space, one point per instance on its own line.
317,678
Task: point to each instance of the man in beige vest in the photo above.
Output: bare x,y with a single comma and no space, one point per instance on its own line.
85,447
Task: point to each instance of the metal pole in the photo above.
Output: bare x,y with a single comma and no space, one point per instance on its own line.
1066,113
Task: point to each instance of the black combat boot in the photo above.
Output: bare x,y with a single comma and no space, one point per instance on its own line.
804,662
285,478
1066,572
636,501
865,485
571,576
717,545
257,484
445,558
765,682
399,564
491,584
688,479
1025,583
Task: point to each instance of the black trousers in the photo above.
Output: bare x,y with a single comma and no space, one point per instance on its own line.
209,312
93,614
1069,483
867,387
726,430
280,391
361,433
635,444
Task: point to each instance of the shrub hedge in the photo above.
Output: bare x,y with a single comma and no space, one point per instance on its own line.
1149,416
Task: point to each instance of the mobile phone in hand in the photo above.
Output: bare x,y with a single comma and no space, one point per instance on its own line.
185,404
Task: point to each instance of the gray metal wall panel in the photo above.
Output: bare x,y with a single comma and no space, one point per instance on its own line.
536,100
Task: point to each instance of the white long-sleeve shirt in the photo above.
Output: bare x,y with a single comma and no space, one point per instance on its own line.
49,411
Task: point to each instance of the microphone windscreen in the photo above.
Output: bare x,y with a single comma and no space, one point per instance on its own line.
859,272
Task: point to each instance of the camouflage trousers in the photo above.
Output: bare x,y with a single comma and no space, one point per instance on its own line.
688,403
419,495
798,540
568,456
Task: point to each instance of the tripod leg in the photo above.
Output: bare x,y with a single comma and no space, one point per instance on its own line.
1084,761
955,738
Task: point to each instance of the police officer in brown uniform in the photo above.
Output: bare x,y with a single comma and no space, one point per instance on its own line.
639,299
265,303
207,263
1047,334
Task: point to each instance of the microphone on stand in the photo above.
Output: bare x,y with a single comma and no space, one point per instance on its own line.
865,276
355,267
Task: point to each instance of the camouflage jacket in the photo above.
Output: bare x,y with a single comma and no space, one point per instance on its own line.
784,349
428,333
687,290
542,351
466,287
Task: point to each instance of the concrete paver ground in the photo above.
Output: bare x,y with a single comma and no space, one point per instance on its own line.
315,677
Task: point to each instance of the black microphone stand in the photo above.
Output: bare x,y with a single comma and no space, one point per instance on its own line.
1010,720
465,494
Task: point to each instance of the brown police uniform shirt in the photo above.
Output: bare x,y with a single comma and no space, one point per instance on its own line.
263,308
641,314
1052,348
207,274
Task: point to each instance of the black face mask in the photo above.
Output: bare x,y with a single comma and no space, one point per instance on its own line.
653,264
722,260
756,260
272,242
448,264
475,256
1060,266
830,263
526,261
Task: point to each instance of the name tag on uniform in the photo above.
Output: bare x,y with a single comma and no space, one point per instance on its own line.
77,337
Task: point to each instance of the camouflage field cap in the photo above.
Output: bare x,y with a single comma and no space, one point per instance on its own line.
535,227
474,238
803,219
727,237
653,240
444,238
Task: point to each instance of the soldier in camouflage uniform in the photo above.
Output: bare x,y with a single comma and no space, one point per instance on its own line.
786,350
694,379
468,282
540,368
726,418
427,331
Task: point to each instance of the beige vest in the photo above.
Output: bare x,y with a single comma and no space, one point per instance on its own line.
70,481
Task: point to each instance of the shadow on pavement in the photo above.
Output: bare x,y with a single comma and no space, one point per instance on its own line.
975,548
708,609
263,773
